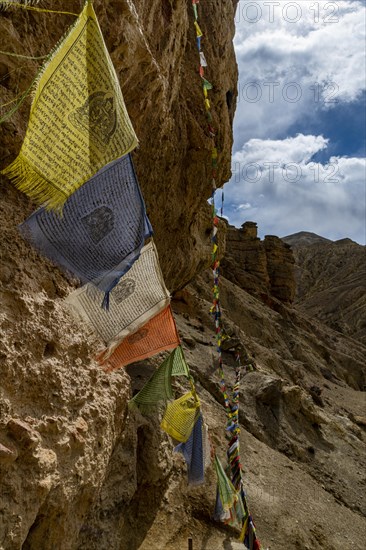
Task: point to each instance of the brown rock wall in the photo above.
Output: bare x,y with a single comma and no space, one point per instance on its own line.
75,470
260,267
280,266
153,47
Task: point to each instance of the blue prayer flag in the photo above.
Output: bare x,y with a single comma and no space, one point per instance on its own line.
101,230
193,453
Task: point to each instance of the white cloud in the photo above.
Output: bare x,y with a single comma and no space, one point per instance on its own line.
287,192
244,206
289,75
316,63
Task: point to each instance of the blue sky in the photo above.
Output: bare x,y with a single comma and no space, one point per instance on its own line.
299,131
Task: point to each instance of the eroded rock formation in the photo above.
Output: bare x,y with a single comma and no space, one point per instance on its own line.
263,268
77,470
331,281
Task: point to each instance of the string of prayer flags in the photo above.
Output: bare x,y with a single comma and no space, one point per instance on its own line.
158,334
102,229
248,534
233,427
180,416
139,296
159,388
229,506
203,64
198,30
78,121
239,513
203,60
5,4
193,452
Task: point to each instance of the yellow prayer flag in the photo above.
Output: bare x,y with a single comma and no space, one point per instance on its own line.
198,30
180,416
78,120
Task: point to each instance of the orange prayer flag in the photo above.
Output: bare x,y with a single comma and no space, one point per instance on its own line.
158,334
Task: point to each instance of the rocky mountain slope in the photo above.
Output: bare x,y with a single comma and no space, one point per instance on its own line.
331,281
302,412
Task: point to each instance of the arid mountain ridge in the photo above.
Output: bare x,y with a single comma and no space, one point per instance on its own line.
331,281
304,399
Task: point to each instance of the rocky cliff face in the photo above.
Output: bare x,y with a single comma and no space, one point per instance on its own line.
75,470
153,48
263,268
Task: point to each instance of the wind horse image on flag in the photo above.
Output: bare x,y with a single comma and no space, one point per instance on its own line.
139,296
78,121
102,229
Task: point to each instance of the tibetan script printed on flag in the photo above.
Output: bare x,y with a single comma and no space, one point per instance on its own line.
78,121
102,228
139,296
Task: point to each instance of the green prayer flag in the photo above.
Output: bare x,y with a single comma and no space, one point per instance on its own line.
159,388
179,365
228,495
207,85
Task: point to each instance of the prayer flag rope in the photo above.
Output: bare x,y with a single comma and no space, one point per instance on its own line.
5,4
235,508
78,121
20,56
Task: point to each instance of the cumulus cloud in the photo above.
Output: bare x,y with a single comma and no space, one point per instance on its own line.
285,191
298,62
295,58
